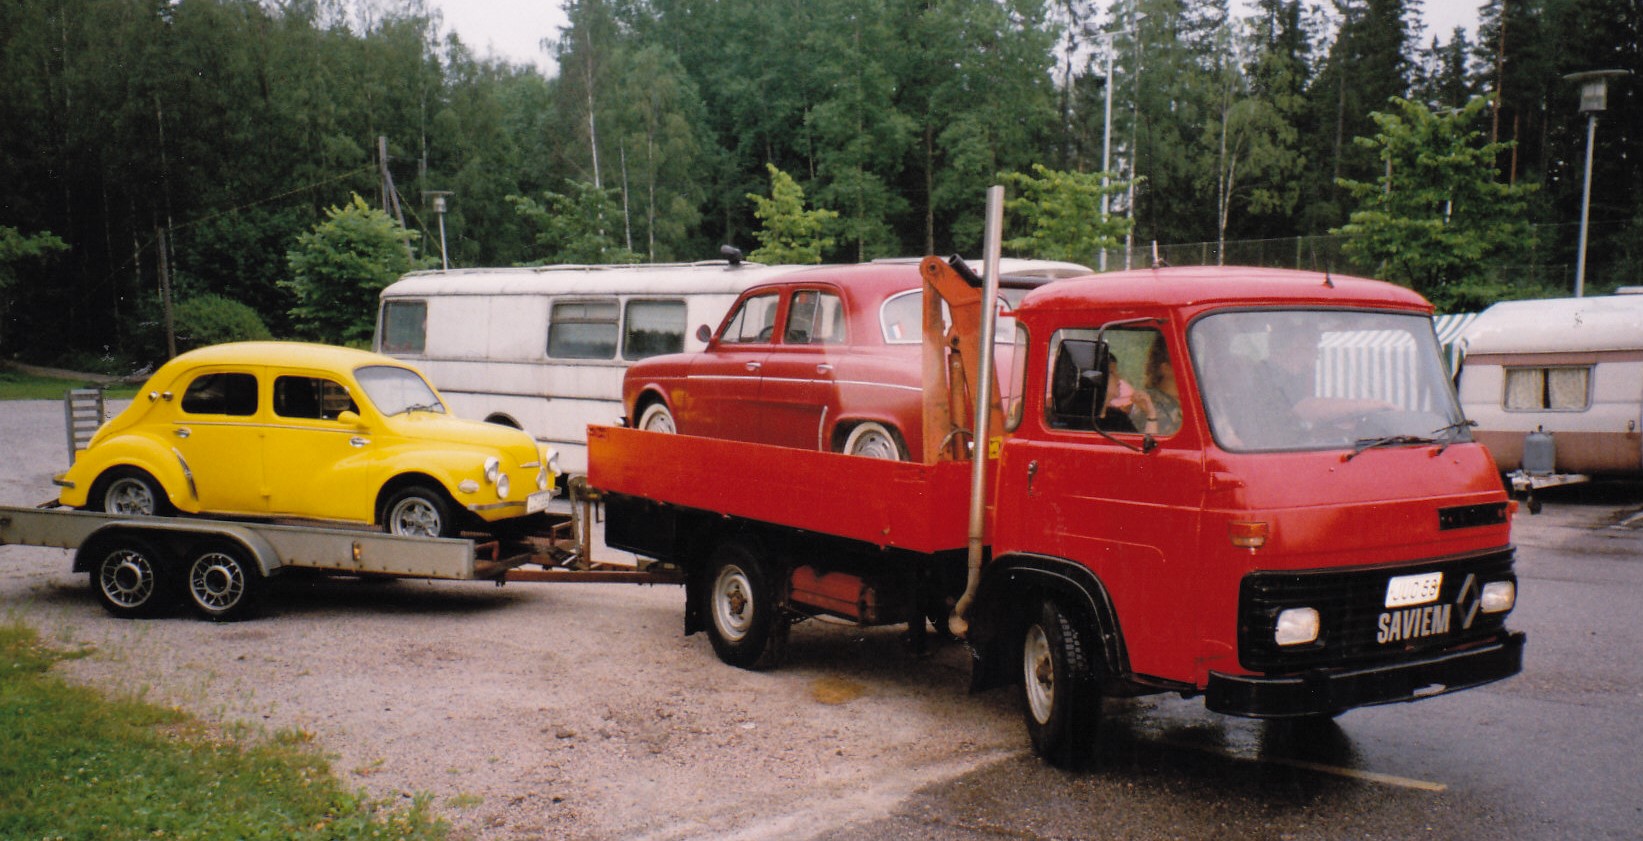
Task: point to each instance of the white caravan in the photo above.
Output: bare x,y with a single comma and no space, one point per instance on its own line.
544,348
1572,367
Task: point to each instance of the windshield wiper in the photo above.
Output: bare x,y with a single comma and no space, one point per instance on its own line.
1387,441
421,407
1452,431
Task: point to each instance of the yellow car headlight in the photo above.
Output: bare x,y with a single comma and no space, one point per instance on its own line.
493,469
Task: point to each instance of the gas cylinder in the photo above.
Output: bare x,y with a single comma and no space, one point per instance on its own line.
1539,453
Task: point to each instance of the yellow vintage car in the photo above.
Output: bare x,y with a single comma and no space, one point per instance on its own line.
289,429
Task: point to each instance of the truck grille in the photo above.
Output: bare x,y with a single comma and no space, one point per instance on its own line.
1351,604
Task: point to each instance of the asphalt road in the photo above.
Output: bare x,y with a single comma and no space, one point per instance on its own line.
1556,752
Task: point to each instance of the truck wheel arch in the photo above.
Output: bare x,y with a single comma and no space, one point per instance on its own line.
1014,586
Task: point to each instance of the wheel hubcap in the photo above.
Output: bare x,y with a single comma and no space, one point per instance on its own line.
127,579
732,603
875,445
128,497
415,517
1039,674
217,581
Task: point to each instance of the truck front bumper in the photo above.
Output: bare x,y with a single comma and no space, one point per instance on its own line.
1332,691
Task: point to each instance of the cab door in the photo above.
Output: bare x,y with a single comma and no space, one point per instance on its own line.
317,467
218,434
1126,509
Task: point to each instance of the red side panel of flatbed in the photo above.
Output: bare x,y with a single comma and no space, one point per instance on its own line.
919,507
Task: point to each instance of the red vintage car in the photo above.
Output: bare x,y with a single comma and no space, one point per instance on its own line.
825,358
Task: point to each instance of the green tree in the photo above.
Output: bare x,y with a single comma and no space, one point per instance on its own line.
1062,214
790,234
17,250
339,268
572,227
1441,210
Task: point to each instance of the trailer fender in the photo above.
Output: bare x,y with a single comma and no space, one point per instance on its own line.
1014,585
177,535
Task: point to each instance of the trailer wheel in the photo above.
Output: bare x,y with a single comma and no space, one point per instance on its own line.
1061,682
130,492
129,576
223,582
418,511
741,608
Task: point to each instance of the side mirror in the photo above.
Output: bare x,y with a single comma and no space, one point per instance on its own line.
348,417
704,334
1079,382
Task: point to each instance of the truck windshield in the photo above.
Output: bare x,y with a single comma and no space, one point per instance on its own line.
395,390
1280,380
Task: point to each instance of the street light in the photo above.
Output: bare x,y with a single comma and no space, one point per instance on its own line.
1594,93
439,207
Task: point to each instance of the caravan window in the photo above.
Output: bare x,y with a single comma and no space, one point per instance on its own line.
1548,389
404,326
583,330
654,328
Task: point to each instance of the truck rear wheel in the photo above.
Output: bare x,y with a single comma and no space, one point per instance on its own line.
1061,688
223,581
741,607
129,576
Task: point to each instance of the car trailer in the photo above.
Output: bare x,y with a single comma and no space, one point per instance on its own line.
139,566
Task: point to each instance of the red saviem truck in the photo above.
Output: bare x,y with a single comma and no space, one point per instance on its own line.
1250,485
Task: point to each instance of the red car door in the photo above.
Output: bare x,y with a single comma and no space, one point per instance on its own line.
723,381
798,374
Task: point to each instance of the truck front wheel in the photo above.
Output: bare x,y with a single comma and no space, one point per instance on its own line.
1061,687
741,608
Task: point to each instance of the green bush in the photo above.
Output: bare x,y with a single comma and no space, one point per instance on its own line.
213,319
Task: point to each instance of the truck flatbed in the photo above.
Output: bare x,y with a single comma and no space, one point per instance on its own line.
917,507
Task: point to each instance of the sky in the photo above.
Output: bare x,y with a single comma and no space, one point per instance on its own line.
514,29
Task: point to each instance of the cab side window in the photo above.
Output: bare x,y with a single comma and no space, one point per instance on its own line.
753,322
223,393
311,397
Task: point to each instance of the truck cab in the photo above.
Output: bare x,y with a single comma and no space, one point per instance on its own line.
1251,483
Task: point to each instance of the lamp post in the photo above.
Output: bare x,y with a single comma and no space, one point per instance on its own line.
439,207
1594,92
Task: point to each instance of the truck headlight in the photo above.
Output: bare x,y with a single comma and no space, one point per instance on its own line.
1498,597
493,469
1296,626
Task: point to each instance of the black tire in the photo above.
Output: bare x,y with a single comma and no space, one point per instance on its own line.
419,511
130,491
222,581
1061,688
739,604
130,576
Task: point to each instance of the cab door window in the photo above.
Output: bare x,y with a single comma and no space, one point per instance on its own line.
1136,392
221,393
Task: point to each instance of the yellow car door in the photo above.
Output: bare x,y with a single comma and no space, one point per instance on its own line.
317,466
217,434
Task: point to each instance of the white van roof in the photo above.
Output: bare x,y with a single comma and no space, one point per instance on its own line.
1558,325
709,277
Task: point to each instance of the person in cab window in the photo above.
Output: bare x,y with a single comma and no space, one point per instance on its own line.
1112,418
1156,407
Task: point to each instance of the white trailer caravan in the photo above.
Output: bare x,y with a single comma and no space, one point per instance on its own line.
1572,367
544,348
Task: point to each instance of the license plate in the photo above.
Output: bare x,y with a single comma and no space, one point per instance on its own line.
1413,589
537,501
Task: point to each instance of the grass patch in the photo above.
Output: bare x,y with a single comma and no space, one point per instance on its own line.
16,385
75,764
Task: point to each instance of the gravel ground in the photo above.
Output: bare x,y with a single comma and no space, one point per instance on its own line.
577,711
